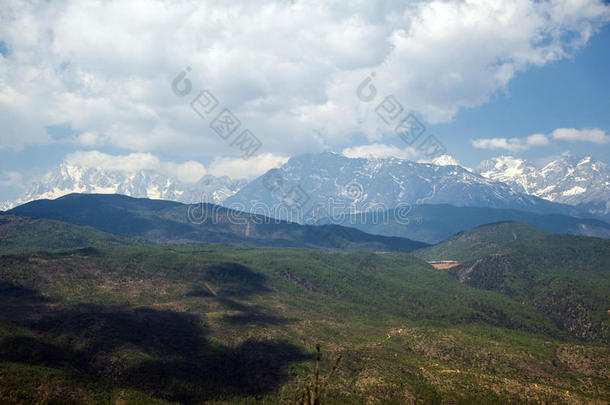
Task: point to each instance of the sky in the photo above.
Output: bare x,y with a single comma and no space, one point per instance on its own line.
235,88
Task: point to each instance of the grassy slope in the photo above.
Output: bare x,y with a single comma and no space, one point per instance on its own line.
188,323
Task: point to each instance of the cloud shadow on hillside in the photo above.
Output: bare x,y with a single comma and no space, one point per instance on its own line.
164,353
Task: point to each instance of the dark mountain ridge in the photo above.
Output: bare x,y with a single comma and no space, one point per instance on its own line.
433,223
168,221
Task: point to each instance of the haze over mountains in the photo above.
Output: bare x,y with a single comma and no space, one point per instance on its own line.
432,223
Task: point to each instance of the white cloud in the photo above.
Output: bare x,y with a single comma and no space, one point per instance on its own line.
131,163
11,178
188,172
491,143
378,150
512,144
537,140
288,70
238,168
594,135
89,139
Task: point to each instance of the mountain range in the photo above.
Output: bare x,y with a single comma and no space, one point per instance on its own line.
567,179
173,222
325,182
338,185
70,178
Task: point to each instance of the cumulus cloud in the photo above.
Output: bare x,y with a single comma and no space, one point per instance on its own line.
238,168
378,150
288,70
512,144
188,172
594,135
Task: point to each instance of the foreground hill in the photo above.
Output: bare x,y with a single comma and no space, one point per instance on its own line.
168,221
190,323
567,277
433,223
481,241
25,235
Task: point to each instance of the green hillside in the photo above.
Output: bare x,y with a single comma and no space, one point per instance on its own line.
480,241
25,235
567,277
167,221
190,323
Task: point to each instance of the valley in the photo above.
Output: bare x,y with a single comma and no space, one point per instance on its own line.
91,317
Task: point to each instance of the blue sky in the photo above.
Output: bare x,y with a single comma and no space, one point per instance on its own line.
571,93
482,76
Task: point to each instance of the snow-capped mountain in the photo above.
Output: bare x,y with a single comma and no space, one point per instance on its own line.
445,160
340,184
567,180
66,179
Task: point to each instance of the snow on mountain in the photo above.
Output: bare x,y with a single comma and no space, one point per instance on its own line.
67,178
342,184
443,160
507,169
567,180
